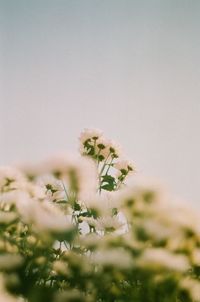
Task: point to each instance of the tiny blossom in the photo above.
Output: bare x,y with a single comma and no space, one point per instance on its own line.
10,261
34,190
108,223
46,180
86,176
103,203
184,218
196,256
102,147
90,220
7,217
90,240
56,164
48,217
114,148
5,296
113,257
53,187
13,197
74,171
192,287
60,267
45,215
124,166
10,178
90,134
157,229
30,169
159,258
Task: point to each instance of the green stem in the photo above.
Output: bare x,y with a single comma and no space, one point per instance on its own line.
65,191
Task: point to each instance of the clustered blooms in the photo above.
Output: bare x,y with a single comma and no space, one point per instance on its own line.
72,230
107,154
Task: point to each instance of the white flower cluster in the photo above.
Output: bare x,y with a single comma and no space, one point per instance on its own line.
70,230
113,167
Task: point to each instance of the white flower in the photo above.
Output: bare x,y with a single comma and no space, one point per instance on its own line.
10,261
193,288
108,223
196,256
103,203
44,215
90,240
117,258
78,173
86,173
7,217
10,178
34,190
90,134
30,169
48,217
90,221
124,165
4,295
56,164
183,217
13,197
50,182
160,258
53,187
157,229
114,148
60,267
102,147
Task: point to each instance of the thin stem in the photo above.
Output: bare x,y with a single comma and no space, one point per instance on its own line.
65,191
102,169
109,165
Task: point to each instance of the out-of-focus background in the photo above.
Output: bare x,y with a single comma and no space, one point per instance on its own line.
131,68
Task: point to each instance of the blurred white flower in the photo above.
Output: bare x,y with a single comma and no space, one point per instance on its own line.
54,188
79,174
34,190
7,217
90,134
103,203
192,287
115,148
48,217
10,179
196,256
57,165
157,229
124,165
5,296
108,223
60,267
13,197
117,257
44,215
10,261
102,147
160,258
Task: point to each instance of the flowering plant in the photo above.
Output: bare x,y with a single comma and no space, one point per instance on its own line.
71,230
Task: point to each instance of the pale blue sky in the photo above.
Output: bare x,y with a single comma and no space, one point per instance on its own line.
131,68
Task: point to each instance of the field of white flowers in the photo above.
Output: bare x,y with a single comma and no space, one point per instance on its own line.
71,229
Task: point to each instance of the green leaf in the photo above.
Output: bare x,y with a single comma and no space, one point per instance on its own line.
108,187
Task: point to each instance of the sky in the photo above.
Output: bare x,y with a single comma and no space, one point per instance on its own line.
130,68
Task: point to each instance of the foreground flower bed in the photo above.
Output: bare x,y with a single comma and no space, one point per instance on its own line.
71,230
